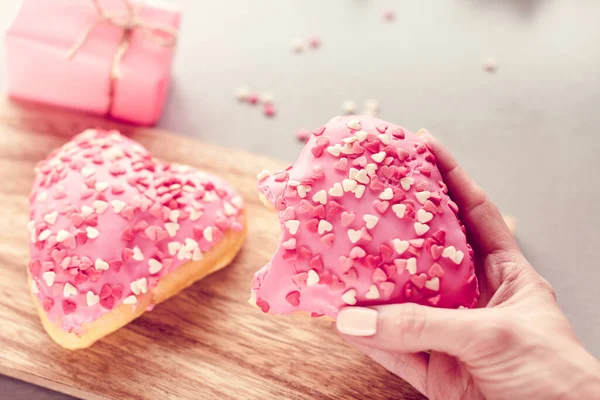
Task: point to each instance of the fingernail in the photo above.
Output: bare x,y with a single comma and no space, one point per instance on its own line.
357,321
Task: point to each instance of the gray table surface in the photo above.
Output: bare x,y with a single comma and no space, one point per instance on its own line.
529,133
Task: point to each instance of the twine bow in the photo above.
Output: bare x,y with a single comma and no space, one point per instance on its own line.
128,21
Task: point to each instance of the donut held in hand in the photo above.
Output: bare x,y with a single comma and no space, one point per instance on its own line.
366,220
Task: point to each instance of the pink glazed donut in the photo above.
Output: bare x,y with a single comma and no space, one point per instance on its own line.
366,220
115,231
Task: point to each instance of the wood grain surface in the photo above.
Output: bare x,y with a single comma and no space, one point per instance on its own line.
206,343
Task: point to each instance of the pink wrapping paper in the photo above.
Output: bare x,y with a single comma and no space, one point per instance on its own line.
38,41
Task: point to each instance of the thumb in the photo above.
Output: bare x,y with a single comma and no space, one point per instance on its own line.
410,328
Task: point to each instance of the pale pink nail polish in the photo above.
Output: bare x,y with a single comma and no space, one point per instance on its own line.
357,321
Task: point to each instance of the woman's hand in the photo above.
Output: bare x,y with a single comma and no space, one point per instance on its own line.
519,345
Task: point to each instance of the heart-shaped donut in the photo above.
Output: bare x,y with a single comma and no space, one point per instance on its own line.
114,231
366,220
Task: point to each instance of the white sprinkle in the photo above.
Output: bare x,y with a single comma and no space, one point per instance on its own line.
48,277
324,226
34,287
208,233
352,173
228,208
293,183
62,235
101,265
155,266
69,290
379,157
424,216
373,293
406,183
51,217
45,234
362,177
238,202
92,233
384,138
453,254
411,265
320,197
349,297
87,171
302,190
292,225
313,278
399,209
267,97
347,149
100,206
139,286
137,254
195,215
400,245
242,94
348,107
490,65
423,196
184,254
354,125
336,190
175,214
289,244
334,150
420,228
190,244
172,228
349,185
263,175
359,191
86,211
118,205
130,300
101,186
298,46
92,299
371,168
354,235
370,220
433,284
41,197
387,194
31,226
173,247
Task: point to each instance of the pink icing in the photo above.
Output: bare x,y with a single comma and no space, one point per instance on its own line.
108,221
399,241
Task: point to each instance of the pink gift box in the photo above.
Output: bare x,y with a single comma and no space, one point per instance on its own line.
38,44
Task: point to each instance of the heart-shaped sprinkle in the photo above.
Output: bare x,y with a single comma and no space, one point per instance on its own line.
359,191
399,210
361,135
406,183
349,185
424,216
379,157
381,206
92,299
433,284
354,235
336,190
324,226
379,275
370,220
400,246
420,228
354,125
346,263
373,293
419,280
312,278
347,218
49,278
387,194
357,252
293,298
423,196
349,297
362,177
69,290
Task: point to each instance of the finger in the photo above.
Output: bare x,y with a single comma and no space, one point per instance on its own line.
481,217
410,328
410,367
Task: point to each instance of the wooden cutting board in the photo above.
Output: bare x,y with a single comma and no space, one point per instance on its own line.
205,343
